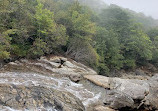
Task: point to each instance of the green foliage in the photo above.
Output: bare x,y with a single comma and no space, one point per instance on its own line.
146,21
81,31
47,30
139,44
153,34
43,21
108,47
103,69
105,39
114,17
19,50
133,45
38,49
137,47
5,43
81,50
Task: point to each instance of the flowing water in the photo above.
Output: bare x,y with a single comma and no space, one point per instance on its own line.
64,84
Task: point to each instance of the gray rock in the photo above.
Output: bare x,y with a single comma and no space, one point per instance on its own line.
132,89
117,100
152,98
136,89
68,64
139,72
31,97
75,77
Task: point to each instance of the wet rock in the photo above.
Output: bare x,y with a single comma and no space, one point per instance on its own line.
103,108
28,82
35,90
30,97
118,100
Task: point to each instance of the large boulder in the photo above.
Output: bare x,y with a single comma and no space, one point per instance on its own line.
152,98
117,100
136,89
127,92
132,87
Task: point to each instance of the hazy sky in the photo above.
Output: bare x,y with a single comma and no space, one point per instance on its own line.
148,7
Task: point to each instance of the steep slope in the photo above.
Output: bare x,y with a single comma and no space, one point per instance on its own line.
147,21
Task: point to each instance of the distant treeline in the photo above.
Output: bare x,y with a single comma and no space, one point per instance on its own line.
103,37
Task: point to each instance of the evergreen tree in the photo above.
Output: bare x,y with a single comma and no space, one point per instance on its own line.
81,33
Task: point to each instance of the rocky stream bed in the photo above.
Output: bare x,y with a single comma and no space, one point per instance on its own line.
61,84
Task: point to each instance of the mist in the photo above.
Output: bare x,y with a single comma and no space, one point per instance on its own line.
148,7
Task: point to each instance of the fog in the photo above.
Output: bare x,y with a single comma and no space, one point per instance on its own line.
148,7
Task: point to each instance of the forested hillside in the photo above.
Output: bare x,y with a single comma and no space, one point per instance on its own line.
103,37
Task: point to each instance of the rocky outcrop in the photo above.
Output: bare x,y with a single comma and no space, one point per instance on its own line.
117,100
45,84
33,97
152,98
134,88
49,83
58,66
132,93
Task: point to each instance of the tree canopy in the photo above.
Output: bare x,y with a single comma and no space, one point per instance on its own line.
101,36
